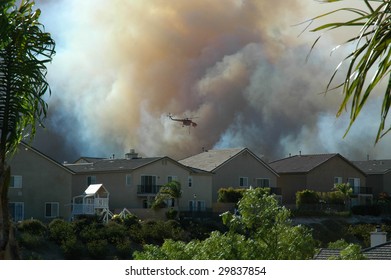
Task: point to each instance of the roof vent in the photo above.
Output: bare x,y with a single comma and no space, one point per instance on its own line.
131,155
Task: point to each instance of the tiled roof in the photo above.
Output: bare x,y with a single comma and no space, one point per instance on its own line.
374,166
326,254
211,159
111,164
300,164
380,252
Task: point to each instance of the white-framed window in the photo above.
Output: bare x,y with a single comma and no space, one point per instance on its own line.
16,210
263,182
171,178
190,181
337,180
128,179
16,181
243,181
52,209
91,180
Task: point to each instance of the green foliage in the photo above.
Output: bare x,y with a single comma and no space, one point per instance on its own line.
92,232
171,190
31,241
115,233
262,231
32,226
72,248
230,195
60,230
97,249
339,244
171,214
369,62
350,252
306,197
25,49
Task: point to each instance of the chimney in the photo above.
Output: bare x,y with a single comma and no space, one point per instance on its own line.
378,237
131,155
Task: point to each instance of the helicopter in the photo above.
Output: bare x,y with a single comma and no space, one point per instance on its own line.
185,121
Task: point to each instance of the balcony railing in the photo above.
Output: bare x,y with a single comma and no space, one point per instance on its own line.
148,189
89,208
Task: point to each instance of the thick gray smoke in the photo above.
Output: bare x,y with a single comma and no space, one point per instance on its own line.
237,66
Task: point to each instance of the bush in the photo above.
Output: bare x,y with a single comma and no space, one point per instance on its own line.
115,233
60,230
97,249
72,248
124,249
171,214
34,227
230,195
92,232
31,241
306,197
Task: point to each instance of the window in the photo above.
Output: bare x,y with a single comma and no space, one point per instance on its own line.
51,209
337,180
128,179
355,184
16,181
16,210
91,180
243,181
263,182
172,178
148,184
197,205
190,181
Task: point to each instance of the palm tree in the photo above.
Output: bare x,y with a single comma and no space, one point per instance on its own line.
171,190
371,54
346,190
24,50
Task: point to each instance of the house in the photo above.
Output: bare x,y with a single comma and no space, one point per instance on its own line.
378,174
133,182
94,201
238,168
319,172
40,187
380,248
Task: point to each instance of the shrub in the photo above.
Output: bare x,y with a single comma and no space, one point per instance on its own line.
60,230
92,232
97,249
72,248
115,233
31,241
230,195
34,227
306,197
171,214
124,249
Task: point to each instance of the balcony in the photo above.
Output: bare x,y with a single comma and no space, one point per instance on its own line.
89,208
143,190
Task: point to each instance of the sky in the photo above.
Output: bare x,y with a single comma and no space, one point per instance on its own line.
239,68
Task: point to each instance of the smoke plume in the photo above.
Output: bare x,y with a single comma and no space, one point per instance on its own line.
237,67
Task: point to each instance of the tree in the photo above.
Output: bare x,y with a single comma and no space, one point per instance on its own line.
171,190
25,48
261,231
371,54
346,190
